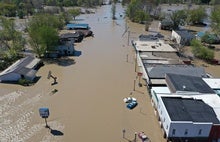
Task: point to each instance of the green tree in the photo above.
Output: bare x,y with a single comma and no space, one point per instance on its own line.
74,12
133,6
43,32
10,39
215,18
196,16
205,1
41,19
7,9
178,18
141,16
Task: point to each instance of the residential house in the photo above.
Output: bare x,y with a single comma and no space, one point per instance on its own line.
73,36
25,68
65,47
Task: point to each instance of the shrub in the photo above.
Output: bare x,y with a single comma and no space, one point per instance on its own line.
24,82
201,51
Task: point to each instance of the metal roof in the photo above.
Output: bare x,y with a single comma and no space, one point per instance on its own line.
77,26
214,83
188,83
189,109
70,35
149,37
23,66
159,71
184,34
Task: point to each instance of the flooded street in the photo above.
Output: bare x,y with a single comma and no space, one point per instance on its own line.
89,103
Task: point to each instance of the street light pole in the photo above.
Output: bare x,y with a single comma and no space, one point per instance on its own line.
134,85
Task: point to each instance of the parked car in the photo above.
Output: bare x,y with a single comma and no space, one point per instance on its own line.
132,105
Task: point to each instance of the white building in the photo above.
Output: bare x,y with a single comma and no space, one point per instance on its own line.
189,113
186,118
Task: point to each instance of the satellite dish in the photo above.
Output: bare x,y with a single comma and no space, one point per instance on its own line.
49,75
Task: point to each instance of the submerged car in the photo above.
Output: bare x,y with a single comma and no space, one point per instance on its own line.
132,105
129,99
143,137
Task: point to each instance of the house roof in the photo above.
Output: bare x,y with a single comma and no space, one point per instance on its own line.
160,57
200,34
159,71
149,37
167,22
184,34
160,61
161,90
189,109
212,100
77,26
214,83
188,83
153,46
70,35
23,66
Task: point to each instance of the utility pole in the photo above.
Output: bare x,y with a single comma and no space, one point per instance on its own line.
128,37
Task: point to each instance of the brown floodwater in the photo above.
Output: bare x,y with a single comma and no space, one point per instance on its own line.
91,86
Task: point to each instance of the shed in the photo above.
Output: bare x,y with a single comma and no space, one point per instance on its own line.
24,68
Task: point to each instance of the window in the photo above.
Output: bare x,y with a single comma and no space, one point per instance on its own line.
174,131
186,132
200,131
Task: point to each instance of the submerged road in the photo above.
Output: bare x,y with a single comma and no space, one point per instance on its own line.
92,90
